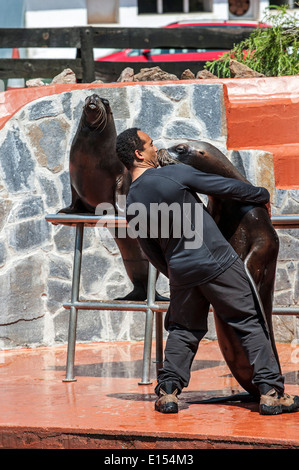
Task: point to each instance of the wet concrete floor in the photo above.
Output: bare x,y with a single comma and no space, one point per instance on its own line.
107,408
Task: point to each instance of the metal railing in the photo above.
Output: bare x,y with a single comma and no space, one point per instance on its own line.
150,307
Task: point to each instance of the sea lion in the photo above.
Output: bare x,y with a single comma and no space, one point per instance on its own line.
249,230
97,176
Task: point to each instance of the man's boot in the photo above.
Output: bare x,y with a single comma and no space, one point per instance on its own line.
274,404
167,401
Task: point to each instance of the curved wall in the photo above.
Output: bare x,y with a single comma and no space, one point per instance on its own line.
36,258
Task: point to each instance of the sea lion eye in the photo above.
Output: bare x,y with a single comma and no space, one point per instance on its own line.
180,148
105,102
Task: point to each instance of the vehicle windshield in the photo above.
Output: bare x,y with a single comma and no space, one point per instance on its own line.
156,51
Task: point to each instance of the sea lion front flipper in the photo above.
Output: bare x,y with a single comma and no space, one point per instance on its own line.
76,206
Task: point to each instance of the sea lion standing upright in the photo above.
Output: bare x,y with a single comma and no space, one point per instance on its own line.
97,176
249,230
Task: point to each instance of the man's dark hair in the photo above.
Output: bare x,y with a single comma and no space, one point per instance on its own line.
126,144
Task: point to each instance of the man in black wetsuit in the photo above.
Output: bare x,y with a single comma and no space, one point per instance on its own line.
185,244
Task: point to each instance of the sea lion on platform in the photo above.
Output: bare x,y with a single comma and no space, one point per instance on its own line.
97,176
249,230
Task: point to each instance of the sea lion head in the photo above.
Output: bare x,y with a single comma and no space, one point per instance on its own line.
96,112
200,155
197,154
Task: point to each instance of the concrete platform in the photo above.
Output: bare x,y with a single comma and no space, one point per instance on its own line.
107,409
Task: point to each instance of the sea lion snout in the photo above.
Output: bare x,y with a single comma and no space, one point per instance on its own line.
96,110
165,158
94,101
173,155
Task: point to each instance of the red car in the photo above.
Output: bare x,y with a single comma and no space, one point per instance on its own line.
163,55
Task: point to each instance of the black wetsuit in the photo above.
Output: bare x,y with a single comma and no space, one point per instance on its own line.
180,184
208,272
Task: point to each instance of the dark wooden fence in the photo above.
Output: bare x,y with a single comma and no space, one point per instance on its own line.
85,39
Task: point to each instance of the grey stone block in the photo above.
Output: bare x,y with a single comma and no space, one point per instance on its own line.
3,253
207,106
28,208
49,190
17,163
42,109
154,112
22,287
59,267
50,139
59,292
182,129
89,326
94,269
66,193
174,92
23,334
66,101
64,239
28,235
5,208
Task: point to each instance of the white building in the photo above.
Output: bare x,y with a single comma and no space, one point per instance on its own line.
124,13
139,12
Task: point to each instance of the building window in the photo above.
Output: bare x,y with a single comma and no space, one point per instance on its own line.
238,7
147,6
196,5
170,6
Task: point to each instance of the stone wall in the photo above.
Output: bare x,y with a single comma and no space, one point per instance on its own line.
36,257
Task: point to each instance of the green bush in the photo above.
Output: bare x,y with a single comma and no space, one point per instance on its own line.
271,51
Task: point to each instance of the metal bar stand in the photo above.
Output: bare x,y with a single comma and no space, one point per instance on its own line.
150,308
159,341
74,310
147,348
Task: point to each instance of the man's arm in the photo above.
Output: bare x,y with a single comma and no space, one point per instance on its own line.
226,188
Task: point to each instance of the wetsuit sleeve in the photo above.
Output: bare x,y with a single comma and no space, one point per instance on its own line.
154,254
226,188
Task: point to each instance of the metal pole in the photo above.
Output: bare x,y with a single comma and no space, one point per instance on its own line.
159,341
147,349
73,310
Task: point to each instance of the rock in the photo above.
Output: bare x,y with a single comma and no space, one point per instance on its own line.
182,127
48,149
239,70
22,285
27,208
154,112
187,75
17,163
205,74
34,82
5,208
97,81
153,74
66,76
127,75
206,103
26,236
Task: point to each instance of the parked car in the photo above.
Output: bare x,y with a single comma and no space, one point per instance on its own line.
177,54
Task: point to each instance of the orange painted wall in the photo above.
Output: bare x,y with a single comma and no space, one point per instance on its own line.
262,113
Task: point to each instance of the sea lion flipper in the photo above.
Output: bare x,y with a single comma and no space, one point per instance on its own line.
76,206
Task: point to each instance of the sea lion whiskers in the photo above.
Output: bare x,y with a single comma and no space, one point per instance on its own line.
101,120
164,158
96,112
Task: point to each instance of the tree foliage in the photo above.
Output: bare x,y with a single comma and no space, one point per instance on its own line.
271,51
